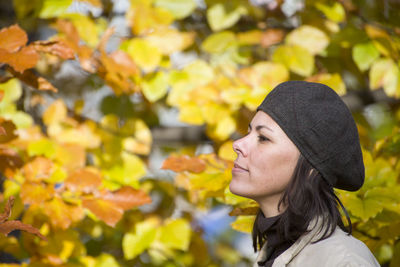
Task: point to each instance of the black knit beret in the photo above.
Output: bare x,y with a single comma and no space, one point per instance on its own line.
319,123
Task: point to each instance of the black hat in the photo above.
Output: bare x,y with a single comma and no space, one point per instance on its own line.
319,123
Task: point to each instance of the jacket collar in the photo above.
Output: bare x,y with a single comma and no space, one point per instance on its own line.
315,232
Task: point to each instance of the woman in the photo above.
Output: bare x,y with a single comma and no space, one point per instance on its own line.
301,143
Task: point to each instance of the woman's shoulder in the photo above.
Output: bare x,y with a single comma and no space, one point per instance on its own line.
340,249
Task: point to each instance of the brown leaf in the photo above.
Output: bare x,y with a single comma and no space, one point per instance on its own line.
88,63
7,131
244,211
25,58
271,37
31,79
10,162
10,226
7,210
104,210
184,163
12,38
58,48
127,197
2,93
83,180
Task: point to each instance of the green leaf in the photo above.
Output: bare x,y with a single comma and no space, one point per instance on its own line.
364,55
219,42
178,8
219,18
308,37
295,58
335,12
54,8
170,238
155,87
133,244
385,73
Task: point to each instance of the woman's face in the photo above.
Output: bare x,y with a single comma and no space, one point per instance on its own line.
265,162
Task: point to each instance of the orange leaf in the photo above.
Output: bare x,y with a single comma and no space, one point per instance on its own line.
57,48
104,210
7,210
104,39
83,180
1,94
12,38
71,156
127,198
10,226
7,131
35,193
31,79
271,37
70,33
184,163
38,169
21,60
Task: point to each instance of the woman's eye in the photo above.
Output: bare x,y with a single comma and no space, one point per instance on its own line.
262,138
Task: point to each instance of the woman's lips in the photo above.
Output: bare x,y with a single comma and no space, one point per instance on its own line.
238,168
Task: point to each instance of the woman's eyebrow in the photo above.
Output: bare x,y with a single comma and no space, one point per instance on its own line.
259,127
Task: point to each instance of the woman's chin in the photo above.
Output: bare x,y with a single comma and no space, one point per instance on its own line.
236,189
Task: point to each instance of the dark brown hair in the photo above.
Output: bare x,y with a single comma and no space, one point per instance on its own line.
307,196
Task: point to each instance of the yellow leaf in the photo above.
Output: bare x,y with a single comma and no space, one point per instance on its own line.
252,37
298,59
191,113
224,128
144,18
82,134
144,54
219,42
133,244
55,113
264,74
235,95
243,224
170,40
169,238
385,73
226,151
86,27
219,18
178,8
334,81
155,87
308,37
335,12
53,8
213,112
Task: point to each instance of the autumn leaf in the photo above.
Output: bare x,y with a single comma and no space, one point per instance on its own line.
23,59
12,38
57,48
8,226
7,131
127,197
271,37
104,210
184,163
83,180
38,169
29,78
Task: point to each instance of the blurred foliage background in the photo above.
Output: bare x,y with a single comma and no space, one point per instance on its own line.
117,120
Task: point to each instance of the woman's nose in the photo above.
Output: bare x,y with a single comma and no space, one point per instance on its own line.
238,146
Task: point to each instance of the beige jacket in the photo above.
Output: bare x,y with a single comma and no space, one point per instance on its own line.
338,250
